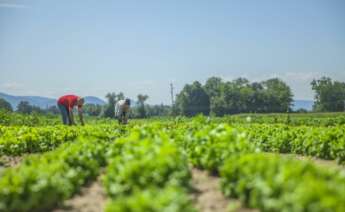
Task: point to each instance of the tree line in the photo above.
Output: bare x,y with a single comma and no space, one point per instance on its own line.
216,97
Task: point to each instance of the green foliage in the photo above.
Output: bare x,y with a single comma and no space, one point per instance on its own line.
193,100
276,183
5,105
278,95
326,143
25,108
211,145
41,182
20,140
17,119
92,109
141,109
237,96
147,164
158,110
329,95
109,111
295,119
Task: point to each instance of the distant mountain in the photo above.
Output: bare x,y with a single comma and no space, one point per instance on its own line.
94,100
303,104
44,102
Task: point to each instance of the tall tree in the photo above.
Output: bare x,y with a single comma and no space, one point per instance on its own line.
141,108
278,95
256,100
213,86
120,96
329,95
24,107
92,109
5,105
110,107
52,110
193,100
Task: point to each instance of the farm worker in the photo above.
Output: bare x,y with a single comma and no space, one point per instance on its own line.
122,110
66,104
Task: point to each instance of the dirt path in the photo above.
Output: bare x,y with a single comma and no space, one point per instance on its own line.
208,196
317,161
10,161
91,199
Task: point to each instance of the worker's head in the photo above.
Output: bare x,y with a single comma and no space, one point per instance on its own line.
80,101
128,102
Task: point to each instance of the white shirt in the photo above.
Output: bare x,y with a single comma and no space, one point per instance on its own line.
120,107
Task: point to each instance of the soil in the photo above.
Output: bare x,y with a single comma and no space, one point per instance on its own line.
10,161
317,161
92,198
208,197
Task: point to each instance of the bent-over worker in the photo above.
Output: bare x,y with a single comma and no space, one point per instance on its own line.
66,104
122,110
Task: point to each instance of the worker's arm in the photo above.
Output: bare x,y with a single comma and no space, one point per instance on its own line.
80,113
70,113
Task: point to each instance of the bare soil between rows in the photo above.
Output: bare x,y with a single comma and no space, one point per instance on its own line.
208,197
317,161
10,161
92,198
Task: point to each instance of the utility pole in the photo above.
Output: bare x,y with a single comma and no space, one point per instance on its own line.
172,94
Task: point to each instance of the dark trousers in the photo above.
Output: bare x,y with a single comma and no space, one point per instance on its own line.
122,118
65,115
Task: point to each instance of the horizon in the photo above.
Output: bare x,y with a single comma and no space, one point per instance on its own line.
49,49
104,99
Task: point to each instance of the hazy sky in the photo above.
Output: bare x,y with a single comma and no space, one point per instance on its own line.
50,48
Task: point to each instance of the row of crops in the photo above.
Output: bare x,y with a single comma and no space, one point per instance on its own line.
292,119
270,182
147,164
322,142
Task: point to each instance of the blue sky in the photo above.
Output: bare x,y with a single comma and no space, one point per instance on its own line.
87,47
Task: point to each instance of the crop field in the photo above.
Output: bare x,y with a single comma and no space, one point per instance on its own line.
237,163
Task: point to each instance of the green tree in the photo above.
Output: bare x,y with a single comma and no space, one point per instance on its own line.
24,107
5,105
277,95
329,95
110,107
256,100
141,105
157,110
213,86
193,100
92,109
120,96
52,110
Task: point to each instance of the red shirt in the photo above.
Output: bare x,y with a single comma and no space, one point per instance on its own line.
69,101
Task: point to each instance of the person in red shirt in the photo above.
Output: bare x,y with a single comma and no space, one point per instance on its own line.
66,104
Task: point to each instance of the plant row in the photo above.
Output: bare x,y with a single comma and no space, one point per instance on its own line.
322,142
309,119
20,140
147,172
43,181
263,180
276,183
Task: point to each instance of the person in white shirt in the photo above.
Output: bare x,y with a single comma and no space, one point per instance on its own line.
122,110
